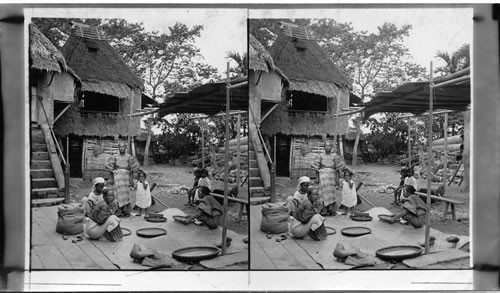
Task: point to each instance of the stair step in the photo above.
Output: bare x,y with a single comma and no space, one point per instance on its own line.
257,191
47,201
38,147
252,155
253,163
40,156
254,172
37,137
43,183
42,173
256,181
45,192
40,164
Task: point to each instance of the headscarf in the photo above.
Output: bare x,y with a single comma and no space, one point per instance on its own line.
303,179
98,180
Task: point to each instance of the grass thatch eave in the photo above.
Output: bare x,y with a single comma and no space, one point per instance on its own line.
43,54
261,60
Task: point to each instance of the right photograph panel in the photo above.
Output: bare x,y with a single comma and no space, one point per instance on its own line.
359,125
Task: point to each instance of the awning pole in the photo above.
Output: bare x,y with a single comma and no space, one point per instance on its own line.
429,158
226,166
409,143
202,124
445,159
238,139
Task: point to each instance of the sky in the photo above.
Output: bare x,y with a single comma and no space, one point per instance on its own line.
433,29
224,29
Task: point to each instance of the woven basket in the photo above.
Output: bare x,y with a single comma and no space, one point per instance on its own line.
319,234
115,235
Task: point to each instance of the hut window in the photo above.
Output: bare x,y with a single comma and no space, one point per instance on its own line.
92,50
301,101
100,103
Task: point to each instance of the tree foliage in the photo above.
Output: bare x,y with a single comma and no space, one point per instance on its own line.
454,61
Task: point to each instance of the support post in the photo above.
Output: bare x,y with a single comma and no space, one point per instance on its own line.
273,173
66,174
429,158
409,143
226,166
202,144
337,117
445,159
238,139
130,123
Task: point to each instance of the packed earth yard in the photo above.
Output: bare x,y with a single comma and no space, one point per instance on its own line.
275,251
51,250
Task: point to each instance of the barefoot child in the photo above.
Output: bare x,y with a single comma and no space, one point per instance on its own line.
190,193
203,181
349,197
143,194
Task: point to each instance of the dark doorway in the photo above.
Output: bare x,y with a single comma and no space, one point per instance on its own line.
75,156
282,155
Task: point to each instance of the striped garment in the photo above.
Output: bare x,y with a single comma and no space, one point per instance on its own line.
122,186
327,185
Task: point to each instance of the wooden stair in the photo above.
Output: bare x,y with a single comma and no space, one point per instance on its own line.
256,184
44,189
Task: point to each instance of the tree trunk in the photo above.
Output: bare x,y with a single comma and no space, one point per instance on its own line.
148,142
356,143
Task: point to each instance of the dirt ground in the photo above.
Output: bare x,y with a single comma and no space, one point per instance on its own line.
170,179
377,177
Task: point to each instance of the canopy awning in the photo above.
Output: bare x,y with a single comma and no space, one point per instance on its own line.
209,99
413,98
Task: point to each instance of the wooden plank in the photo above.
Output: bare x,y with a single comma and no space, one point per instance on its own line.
97,256
226,260
280,257
40,202
51,257
301,255
445,199
76,258
435,258
259,259
259,200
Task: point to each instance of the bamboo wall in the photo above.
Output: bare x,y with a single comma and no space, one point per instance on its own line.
301,165
94,167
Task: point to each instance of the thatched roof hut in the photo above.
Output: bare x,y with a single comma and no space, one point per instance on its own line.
110,89
307,66
43,54
310,104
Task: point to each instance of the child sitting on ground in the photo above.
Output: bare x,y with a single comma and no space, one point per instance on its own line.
142,194
203,181
397,192
191,193
349,196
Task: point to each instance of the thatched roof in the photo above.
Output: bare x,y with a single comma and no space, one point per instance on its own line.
43,54
261,60
99,66
305,64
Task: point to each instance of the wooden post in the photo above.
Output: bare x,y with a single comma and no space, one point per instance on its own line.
337,117
66,173
226,166
429,158
202,144
130,122
238,139
445,160
341,147
409,143
273,173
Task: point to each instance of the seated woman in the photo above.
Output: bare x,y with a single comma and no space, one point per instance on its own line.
414,208
305,218
302,189
103,219
95,196
208,211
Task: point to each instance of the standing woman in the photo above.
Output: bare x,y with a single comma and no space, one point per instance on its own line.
326,165
122,166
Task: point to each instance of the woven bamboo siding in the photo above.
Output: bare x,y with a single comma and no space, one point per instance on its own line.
301,165
94,167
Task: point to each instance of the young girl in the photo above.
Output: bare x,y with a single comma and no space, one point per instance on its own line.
349,197
191,193
143,194
203,181
410,180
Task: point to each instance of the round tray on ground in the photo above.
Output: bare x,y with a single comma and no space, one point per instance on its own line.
182,219
330,230
156,219
355,231
151,232
361,218
126,231
399,252
195,253
385,218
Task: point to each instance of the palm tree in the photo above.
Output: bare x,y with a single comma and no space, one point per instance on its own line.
242,60
455,61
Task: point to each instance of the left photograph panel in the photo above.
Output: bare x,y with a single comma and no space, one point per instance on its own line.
138,139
